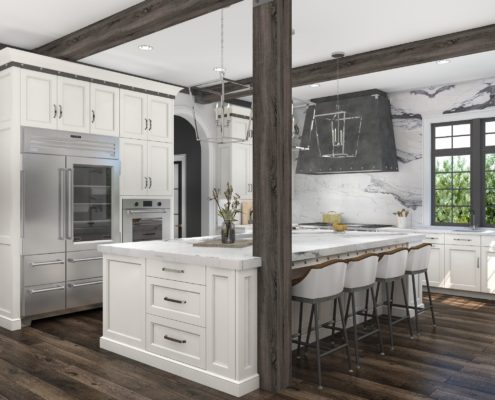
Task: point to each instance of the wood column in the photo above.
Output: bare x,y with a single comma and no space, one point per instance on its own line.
272,194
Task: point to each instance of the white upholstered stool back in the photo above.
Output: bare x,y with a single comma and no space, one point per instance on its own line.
418,257
392,264
361,271
323,281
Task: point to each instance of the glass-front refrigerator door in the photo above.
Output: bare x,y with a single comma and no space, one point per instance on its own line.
92,203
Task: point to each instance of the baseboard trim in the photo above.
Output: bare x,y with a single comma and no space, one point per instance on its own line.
464,293
203,377
11,324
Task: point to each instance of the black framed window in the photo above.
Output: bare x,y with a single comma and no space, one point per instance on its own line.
463,172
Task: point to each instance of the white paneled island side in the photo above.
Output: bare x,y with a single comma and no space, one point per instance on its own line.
192,311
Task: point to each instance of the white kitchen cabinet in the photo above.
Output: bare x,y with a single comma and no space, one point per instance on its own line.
104,110
488,270
436,266
73,101
235,165
462,268
146,168
146,116
39,106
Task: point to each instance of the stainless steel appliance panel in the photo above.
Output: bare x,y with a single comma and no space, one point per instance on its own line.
144,220
84,292
42,197
43,299
92,203
43,269
84,264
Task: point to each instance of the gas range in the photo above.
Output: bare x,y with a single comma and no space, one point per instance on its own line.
350,227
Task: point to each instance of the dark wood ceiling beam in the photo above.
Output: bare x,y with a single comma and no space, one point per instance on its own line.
132,23
457,44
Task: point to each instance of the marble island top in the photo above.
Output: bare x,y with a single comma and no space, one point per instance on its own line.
306,245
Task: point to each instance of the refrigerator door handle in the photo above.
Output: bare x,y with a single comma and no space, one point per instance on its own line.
70,206
61,202
23,205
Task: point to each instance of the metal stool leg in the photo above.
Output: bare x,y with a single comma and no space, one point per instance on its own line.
404,292
416,322
366,305
317,334
355,329
429,298
299,330
309,327
377,320
344,331
334,316
389,312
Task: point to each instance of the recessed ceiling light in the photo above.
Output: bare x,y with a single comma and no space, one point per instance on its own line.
145,47
314,85
440,62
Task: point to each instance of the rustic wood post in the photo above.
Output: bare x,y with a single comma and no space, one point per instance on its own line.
272,194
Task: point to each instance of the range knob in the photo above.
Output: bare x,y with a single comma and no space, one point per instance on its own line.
136,204
159,204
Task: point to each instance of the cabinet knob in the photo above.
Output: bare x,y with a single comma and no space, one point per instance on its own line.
93,116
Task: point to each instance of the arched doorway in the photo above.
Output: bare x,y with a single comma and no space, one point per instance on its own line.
187,180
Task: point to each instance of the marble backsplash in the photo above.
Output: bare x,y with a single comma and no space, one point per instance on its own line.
373,197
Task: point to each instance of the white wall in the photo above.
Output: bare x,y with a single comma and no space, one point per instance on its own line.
373,197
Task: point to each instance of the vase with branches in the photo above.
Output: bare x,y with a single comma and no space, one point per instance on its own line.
228,212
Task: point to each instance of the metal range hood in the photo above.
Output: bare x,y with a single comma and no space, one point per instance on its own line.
353,134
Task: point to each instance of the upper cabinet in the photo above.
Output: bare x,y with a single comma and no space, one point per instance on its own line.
146,117
56,102
104,110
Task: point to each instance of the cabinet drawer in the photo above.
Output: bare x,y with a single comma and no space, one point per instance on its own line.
176,272
179,301
85,292
176,340
488,241
463,240
434,238
44,269
84,265
44,299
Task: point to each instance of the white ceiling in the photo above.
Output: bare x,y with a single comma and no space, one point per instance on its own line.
187,53
31,23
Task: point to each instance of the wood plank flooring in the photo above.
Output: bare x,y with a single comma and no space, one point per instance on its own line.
59,358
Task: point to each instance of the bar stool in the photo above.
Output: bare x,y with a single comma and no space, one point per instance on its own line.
417,264
361,276
391,269
324,282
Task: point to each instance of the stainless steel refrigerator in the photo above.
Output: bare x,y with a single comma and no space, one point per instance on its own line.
70,204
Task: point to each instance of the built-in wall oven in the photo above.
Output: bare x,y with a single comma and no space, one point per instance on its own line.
145,219
70,205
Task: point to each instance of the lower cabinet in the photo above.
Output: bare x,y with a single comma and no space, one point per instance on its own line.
84,292
436,267
488,270
462,268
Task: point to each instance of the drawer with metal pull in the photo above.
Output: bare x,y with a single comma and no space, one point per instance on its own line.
84,265
176,340
86,292
179,301
43,269
177,272
463,240
434,238
43,299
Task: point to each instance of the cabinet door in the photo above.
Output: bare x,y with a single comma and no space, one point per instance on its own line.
436,267
160,168
133,168
39,107
160,119
487,270
104,110
132,114
73,102
462,268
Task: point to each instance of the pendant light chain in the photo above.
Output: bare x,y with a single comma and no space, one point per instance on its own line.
221,42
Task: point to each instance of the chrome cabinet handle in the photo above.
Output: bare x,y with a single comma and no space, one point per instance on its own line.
157,211
61,200
75,260
34,291
93,116
60,113
151,124
70,207
151,182
177,271
76,285
146,182
22,205
478,262
463,240
431,238
54,111
146,124
40,264
175,300
181,341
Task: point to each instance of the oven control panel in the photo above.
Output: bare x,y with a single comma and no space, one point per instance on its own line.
129,204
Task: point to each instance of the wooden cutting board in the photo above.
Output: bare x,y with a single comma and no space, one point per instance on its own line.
246,207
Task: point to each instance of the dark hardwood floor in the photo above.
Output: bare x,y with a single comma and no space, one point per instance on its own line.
59,358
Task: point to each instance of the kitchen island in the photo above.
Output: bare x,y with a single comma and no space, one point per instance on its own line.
192,311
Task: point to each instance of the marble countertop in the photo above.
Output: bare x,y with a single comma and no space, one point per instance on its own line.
306,245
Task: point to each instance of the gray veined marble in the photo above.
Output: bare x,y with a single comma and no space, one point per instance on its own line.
407,198
432,92
483,99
